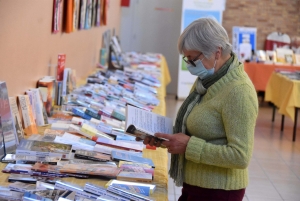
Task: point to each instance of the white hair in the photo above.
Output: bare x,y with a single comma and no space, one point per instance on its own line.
205,35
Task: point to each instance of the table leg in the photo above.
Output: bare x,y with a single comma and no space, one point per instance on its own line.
282,122
273,115
295,124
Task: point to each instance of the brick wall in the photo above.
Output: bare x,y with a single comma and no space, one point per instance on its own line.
266,15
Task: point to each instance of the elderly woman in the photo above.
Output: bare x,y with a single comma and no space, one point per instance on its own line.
214,130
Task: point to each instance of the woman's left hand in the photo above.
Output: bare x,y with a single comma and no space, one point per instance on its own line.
177,143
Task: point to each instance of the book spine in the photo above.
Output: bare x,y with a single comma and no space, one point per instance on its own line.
89,157
118,115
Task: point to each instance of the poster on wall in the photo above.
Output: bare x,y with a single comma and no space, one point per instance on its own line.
244,42
192,10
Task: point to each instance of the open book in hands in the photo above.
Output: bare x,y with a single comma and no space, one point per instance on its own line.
141,123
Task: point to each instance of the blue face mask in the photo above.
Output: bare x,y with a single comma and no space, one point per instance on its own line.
200,70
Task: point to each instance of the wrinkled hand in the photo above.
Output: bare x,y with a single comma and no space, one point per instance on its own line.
177,143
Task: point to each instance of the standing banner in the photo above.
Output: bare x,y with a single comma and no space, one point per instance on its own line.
244,42
192,10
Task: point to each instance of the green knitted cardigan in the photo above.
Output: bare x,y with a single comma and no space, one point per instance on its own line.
221,122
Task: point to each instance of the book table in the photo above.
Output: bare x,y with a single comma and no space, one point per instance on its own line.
260,73
284,93
159,156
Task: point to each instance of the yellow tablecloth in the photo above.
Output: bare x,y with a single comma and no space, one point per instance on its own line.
159,156
284,93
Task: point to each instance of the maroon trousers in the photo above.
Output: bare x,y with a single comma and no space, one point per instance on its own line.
195,193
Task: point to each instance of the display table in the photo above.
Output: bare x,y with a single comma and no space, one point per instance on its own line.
284,93
260,73
159,156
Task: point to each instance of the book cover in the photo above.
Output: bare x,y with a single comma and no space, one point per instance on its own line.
76,9
100,191
82,13
130,183
57,12
98,14
141,123
27,114
143,190
6,194
88,14
92,169
126,163
119,144
128,194
133,168
22,187
103,19
32,102
43,149
61,62
38,107
116,155
8,130
66,81
68,16
135,176
92,155
47,90
17,119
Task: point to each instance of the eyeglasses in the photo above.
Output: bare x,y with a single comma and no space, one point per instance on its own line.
192,62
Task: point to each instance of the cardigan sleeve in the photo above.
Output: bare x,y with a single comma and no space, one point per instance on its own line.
239,113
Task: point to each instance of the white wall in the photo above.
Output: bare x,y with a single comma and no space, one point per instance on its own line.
153,26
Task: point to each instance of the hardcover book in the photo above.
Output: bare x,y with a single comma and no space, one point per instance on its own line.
8,130
92,155
43,149
141,123
16,118
27,114
22,187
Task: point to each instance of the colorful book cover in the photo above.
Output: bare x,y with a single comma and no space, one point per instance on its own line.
82,13
116,155
7,121
135,176
76,9
130,183
88,14
16,118
68,16
120,144
144,190
27,114
92,155
57,11
91,169
39,108
47,90
60,67
43,149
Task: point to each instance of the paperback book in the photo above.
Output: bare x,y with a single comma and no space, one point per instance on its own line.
92,155
141,123
17,119
27,114
116,155
129,183
8,130
135,176
43,149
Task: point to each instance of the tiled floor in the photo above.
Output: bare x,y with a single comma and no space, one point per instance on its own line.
274,171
